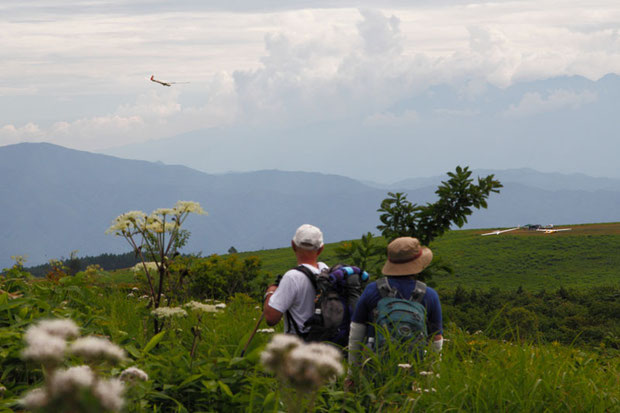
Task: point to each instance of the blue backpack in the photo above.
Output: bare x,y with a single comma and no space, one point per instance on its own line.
399,320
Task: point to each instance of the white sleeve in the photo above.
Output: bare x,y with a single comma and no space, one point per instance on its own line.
284,296
357,333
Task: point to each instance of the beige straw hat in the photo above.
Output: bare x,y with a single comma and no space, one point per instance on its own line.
406,256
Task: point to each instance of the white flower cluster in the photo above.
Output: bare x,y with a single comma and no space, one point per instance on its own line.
266,330
47,343
47,340
97,348
304,366
127,222
189,206
169,312
150,266
205,308
133,373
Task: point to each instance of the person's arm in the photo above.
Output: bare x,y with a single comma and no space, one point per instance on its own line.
278,299
435,320
272,316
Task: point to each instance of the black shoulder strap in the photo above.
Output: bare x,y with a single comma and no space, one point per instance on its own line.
418,292
384,288
308,272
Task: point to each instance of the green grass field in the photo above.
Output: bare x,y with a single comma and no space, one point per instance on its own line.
587,255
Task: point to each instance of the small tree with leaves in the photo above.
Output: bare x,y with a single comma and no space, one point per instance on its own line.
457,196
155,238
366,253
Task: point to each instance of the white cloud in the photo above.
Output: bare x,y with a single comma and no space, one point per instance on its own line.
392,120
284,67
533,103
30,132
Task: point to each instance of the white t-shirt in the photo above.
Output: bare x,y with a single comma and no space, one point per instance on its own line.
295,294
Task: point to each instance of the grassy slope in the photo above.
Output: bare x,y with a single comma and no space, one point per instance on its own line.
586,255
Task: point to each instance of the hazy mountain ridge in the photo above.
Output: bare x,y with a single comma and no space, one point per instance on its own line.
56,200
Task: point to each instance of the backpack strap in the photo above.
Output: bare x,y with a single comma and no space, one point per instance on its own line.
384,288
308,273
312,277
418,292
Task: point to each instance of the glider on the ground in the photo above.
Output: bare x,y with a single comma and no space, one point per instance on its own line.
164,83
500,231
551,231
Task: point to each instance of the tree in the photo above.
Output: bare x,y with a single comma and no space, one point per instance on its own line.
457,196
367,253
232,250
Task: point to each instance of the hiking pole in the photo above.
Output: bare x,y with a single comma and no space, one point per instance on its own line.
253,334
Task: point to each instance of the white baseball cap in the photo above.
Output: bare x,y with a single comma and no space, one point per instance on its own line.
308,237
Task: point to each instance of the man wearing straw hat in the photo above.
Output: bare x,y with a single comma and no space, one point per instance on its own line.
405,258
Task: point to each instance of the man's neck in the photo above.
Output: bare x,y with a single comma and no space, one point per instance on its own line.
314,263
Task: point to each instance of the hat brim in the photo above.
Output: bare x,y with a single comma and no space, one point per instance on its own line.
408,268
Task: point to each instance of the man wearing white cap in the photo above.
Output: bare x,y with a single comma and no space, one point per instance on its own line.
294,296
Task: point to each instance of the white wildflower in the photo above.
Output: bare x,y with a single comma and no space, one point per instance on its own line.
189,206
257,308
478,332
164,211
197,306
97,348
43,347
125,222
159,227
274,355
130,295
220,306
2,390
166,312
35,399
405,366
136,289
63,328
71,379
309,366
110,393
150,266
426,373
133,373
266,330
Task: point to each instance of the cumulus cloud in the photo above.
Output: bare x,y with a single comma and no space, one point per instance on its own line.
289,66
28,133
533,103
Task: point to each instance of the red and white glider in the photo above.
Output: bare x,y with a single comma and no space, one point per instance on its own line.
164,83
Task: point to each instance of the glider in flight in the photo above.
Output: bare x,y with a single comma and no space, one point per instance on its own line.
551,231
164,83
500,231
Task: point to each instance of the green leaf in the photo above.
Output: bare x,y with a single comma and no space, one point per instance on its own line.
190,379
153,342
225,388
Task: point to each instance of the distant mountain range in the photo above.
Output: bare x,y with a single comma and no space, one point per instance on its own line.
55,200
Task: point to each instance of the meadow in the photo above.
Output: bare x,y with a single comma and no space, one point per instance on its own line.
194,361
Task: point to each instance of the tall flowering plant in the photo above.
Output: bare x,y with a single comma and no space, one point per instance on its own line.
155,238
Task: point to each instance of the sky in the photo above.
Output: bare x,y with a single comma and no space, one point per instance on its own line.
76,73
